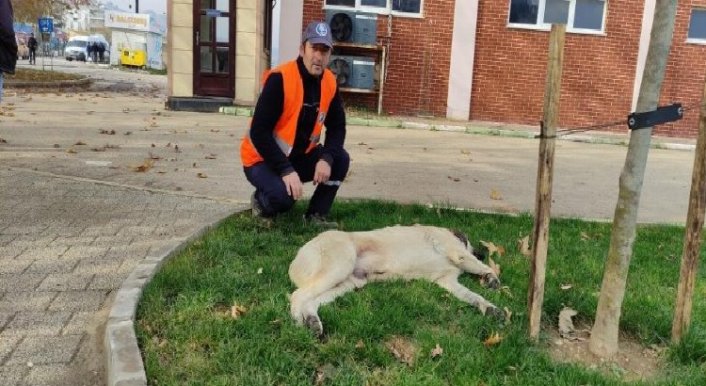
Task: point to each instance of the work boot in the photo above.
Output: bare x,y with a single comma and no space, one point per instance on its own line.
256,207
320,221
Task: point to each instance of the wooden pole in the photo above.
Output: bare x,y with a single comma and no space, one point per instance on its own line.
545,170
692,234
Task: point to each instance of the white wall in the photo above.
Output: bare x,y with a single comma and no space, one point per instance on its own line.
463,43
286,30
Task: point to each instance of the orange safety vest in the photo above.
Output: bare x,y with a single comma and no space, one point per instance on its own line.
286,127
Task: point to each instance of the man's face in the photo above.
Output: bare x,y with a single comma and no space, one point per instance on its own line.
316,57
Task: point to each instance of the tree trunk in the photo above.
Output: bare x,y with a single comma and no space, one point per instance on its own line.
604,335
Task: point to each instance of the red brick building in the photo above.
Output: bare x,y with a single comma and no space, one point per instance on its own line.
486,59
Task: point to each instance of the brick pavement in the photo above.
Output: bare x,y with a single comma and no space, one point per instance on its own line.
66,246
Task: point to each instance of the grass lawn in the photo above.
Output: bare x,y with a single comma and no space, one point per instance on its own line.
188,335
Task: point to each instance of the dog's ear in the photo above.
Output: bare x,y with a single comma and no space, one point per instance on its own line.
461,236
481,253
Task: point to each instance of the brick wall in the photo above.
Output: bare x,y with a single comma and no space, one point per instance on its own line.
510,67
419,51
686,74
598,74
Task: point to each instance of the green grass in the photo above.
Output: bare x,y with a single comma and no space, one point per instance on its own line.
188,336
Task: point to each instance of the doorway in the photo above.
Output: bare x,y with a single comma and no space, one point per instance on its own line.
214,48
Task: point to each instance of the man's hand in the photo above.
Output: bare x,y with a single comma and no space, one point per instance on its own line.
294,185
322,172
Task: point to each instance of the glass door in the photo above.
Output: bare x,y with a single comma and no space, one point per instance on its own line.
214,48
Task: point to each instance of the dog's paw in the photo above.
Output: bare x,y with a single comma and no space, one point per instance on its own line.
314,324
495,313
491,281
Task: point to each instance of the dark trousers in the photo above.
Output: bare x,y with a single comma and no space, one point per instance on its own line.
271,193
32,56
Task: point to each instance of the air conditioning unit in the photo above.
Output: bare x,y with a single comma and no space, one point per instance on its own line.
352,27
353,71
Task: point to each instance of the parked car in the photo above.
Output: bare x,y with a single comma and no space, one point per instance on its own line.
77,47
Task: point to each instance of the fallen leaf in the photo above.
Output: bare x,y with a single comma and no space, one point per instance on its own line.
259,271
496,195
71,150
437,351
465,151
323,373
144,166
56,146
492,340
508,315
237,311
201,175
585,236
402,349
524,246
566,286
211,156
359,344
566,326
153,156
80,143
107,132
454,179
492,248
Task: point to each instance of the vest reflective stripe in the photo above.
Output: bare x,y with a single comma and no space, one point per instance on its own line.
286,127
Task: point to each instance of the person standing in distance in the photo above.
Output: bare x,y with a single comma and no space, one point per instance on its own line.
32,45
8,44
281,151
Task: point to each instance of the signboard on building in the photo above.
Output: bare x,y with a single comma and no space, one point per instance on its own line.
124,20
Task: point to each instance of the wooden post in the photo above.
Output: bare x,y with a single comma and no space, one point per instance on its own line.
692,234
545,170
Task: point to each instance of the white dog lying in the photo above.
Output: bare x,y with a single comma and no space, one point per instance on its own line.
336,262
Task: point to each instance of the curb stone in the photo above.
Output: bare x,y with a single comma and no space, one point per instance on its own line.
123,359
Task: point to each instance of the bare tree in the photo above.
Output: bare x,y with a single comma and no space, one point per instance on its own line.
30,10
604,335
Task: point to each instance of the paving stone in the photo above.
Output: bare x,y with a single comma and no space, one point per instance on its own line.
110,241
107,281
97,266
4,318
73,241
24,230
13,375
42,253
8,344
103,230
37,323
78,301
65,282
33,241
26,300
13,266
20,282
137,231
45,350
79,323
50,375
128,252
64,231
5,239
52,266
11,251
82,251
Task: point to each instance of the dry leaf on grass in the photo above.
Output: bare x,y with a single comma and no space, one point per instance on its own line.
492,340
566,326
437,351
524,246
495,267
359,344
566,286
585,236
237,311
402,349
508,315
323,373
492,248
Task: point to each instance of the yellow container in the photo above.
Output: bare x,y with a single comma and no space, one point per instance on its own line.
130,57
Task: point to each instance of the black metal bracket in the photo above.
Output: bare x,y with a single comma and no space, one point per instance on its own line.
662,115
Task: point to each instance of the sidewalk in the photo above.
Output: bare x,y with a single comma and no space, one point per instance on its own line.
99,187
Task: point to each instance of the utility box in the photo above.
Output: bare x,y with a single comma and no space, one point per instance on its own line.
129,57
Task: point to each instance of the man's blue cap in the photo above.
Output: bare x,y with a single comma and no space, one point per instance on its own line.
318,32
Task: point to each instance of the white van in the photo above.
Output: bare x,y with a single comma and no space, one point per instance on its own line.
77,47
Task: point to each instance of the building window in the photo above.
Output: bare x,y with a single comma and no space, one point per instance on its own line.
578,15
697,25
402,7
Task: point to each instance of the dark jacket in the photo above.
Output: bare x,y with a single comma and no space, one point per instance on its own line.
269,108
8,44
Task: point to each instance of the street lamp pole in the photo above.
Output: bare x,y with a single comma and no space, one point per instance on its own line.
137,6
